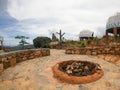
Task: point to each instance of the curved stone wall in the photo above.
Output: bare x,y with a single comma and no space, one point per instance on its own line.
95,51
12,58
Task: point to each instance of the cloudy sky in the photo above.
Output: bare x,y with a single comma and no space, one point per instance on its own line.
34,18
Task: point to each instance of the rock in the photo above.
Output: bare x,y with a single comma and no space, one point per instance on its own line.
4,59
27,78
86,68
107,58
68,67
59,88
69,72
1,68
118,63
94,53
81,69
73,51
114,59
101,56
24,58
108,84
77,51
88,52
75,65
81,87
99,51
68,51
13,61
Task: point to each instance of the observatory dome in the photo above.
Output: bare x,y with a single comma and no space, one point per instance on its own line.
113,21
86,33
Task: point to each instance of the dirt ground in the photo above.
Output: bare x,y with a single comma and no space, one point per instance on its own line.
36,74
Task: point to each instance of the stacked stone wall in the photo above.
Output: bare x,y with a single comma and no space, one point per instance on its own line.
95,51
10,59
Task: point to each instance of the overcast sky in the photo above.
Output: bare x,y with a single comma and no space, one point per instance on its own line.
34,18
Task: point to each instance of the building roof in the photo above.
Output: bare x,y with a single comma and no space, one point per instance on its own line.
86,33
113,21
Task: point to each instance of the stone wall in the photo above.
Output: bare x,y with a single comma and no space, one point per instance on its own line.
95,51
12,58
111,58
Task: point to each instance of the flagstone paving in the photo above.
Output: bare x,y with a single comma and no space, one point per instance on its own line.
36,74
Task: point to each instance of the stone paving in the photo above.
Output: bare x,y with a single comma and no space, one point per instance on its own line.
36,74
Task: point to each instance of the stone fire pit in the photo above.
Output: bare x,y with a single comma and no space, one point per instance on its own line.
77,72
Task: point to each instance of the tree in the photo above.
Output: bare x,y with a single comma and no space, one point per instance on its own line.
43,42
54,38
23,41
60,38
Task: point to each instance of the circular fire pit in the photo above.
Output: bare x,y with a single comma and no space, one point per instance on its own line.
77,72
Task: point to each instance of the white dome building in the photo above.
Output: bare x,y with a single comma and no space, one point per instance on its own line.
113,25
86,34
113,21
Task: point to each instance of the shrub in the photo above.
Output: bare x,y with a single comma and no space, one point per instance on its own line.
43,42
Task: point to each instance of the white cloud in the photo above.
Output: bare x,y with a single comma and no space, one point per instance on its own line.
8,41
24,9
36,17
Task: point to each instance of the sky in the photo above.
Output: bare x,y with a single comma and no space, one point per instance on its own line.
33,18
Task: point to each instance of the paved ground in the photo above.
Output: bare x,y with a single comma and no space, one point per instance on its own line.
36,74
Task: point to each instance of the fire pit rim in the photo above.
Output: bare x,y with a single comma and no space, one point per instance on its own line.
75,79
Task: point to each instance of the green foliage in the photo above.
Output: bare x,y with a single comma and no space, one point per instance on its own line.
83,43
22,41
88,41
43,42
95,39
73,44
118,39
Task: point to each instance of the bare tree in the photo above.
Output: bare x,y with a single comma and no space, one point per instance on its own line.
60,37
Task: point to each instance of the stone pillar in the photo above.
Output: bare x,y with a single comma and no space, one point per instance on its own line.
0,45
1,68
106,35
119,37
80,38
115,33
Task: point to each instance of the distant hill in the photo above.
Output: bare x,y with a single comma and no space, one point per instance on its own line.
13,48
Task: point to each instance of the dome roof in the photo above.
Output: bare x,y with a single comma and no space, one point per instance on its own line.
113,21
86,33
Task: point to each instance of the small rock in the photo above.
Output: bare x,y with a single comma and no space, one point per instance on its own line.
107,69
69,72
83,87
27,78
59,88
94,53
108,84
